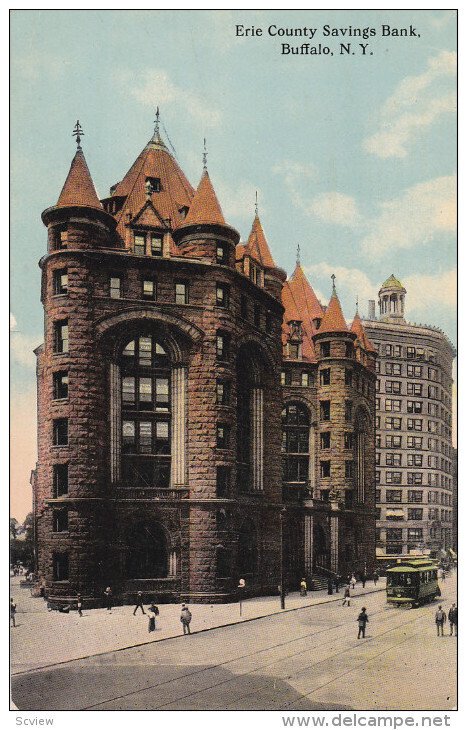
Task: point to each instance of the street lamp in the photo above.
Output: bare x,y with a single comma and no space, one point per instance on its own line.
282,583
241,589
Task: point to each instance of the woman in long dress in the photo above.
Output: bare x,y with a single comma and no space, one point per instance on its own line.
153,611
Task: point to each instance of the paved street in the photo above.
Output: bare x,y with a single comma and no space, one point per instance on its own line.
308,659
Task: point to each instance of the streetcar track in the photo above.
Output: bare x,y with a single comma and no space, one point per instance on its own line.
236,659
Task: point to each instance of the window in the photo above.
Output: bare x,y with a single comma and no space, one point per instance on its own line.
60,384
393,386
414,477
414,389
397,351
60,520
61,336
348,469
222,480
393,424
393,368
295,442
139,244
115,287
153,184
222,392
393,548
433,480
60,278
411,353
282,377
325,376
432,462
414,513
348,410
181,292
222,295
156,245
349,349
415,533
269,323
392,404
348,376
348,440
415,495
393,495
394,534
325,349
293,350
60,566
393,459
60,432
325,410
415,371
414,424
416,460
377,477
60,480
393,442
388,350
222,345
62,238
221,253
149,289
393,477
414,406
414,442
305,380
222,436
421,353
377,495
325,468
257,316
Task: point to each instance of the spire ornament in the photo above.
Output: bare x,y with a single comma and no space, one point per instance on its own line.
333,277
78,133
205,156
156,124
256,202
298,255
356,305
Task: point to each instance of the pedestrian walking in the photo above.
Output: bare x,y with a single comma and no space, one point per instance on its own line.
452,618
12,612
108,598
363,580
346,596
362,622
80,604
185,618
330,588
153,611
139,603
375,577
336,582
303,587
440,620
353,580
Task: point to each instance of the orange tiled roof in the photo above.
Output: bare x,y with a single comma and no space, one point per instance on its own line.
359,330
204,207
79,188
333,320
176,192
300,302
257,245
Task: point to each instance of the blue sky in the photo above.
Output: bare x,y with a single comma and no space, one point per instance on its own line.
353,157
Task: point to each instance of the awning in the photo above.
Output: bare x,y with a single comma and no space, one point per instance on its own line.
397,512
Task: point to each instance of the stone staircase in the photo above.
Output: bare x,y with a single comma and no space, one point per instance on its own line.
320,582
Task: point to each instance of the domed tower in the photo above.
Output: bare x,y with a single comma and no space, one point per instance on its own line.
71,387
391,298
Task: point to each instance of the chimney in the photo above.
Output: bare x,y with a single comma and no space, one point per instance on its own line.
371,309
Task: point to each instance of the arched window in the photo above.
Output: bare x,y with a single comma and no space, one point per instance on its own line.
362,430
295,443
147,555
146,413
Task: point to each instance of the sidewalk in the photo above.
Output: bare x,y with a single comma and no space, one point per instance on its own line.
42,638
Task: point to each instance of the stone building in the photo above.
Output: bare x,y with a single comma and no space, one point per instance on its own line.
414,471
174,458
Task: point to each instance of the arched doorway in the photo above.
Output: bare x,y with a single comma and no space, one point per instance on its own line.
320,546
147,553
247,550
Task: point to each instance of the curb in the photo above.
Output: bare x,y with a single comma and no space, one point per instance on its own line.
199,631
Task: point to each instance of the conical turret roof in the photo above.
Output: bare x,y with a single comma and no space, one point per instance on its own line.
205,207
79,188
301,303
392,283
333,320
257,246
358,328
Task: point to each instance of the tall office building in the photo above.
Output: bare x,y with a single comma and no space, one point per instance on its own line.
414,459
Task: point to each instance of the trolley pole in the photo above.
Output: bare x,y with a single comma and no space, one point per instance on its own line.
282,584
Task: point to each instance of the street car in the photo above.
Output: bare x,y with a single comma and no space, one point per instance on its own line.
412,582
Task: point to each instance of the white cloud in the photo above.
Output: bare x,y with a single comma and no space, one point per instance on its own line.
155,87
425,291
21,348
238,201
35,66
335,208
349,282
296,177
416,103
415,217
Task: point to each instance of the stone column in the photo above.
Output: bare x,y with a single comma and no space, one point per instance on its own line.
311,463
115,423
361,467
308,544
257,437
335,543
179,424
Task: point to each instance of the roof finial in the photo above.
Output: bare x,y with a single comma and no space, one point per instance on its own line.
78,133
205,156
156,124
333,277
356,305
256,202
298,255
